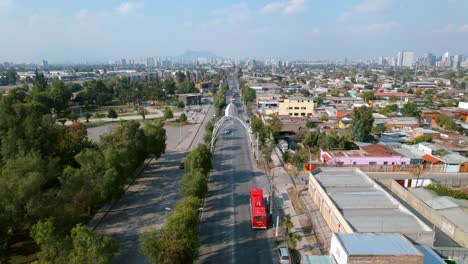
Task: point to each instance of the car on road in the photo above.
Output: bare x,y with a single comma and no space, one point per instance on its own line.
284,256
227,131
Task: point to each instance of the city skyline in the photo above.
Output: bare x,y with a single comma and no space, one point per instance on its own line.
293,29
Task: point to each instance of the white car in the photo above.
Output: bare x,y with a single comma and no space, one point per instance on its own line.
284,256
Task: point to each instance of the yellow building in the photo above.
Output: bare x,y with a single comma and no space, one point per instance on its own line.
296,106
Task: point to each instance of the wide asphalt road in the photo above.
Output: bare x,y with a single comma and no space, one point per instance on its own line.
225,232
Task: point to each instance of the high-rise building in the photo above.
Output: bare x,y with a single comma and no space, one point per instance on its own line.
149,62
405,59
429,59
45,63
123,62
399,59
408,59
457,59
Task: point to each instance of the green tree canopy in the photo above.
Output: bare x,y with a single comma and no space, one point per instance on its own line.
361,126
199,158
275,126
168,113
410,109
155,138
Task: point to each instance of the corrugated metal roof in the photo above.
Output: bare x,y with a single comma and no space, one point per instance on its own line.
325,259
376,244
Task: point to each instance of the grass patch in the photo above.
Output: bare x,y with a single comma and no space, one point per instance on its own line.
176,123
442,190
96,124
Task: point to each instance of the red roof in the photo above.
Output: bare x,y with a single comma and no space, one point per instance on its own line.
378,150
430,158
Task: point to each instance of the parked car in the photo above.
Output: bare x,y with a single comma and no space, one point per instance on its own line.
284,256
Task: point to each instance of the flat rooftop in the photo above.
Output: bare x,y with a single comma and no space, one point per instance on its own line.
455,210
376,244
365,205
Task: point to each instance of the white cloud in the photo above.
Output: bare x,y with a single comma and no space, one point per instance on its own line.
128,7
452,28
463,28
376,28
369,7
233,15
285,8
82,15
4,4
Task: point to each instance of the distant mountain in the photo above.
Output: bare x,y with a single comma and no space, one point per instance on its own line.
192,54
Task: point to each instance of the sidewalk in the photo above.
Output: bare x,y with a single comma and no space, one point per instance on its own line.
283,186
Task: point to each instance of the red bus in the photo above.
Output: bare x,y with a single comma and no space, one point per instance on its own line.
257,209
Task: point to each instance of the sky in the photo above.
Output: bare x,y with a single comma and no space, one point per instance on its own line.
102,30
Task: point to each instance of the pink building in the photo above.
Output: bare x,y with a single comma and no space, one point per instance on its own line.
375,154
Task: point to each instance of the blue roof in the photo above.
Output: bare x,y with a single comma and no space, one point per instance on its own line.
325,259
430,257
376,244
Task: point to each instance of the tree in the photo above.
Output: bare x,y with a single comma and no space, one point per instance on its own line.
392,99
311,139
275,126
112,114
420,139
182,117
177,242
52,248
199,158
87,116
287,223
362,123
22,180
82,246
367,96
410,109
446,122
168,113
194,183
209,127
89,247
59,95
388,110
155,138
311,124
142,112
305,92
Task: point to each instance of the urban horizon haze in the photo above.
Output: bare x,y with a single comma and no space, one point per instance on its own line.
294,29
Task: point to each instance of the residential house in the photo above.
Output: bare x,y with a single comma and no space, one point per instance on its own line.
401,123
372,154
419,132
452,161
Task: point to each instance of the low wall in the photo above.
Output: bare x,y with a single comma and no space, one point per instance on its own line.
430,214
335,220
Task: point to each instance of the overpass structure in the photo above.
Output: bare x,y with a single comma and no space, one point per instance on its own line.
230,118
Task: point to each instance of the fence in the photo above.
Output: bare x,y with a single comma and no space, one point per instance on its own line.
452,252
367,168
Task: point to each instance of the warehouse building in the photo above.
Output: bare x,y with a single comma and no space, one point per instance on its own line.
350,202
